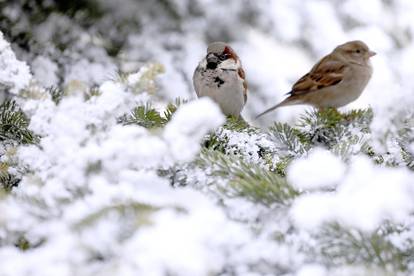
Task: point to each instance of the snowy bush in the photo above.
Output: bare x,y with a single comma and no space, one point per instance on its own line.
14,74
110,166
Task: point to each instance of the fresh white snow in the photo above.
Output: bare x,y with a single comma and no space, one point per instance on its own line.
97,199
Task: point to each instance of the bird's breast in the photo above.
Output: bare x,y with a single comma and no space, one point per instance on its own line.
225,87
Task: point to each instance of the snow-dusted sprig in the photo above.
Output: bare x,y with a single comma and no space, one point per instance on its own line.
149,117
408,157
289,143
343,133
405,139
172,107
92,92
344,246
288,140
144,80
237,137
7,180
13,132
327,127
14,124
140,211
144,115
239,125
247,180
55,93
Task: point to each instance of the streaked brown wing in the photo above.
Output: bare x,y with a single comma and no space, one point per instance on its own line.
326,73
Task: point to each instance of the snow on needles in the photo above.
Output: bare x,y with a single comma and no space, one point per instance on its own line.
96,195
191,122
14,74
367,196
88,167
320,169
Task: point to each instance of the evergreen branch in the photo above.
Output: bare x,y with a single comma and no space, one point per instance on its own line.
289,139
172,107
342,245
138,214
238,124
408,157
214,142
330,118
248,180
218,142
143,115
329,127
14,124
327,118
148,117
120,77
140,209
56,93
92,92
405,140
7,181
147,76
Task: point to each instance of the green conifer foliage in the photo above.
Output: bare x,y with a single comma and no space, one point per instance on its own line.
14,124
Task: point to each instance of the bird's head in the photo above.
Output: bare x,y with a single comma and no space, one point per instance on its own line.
355,51
220,55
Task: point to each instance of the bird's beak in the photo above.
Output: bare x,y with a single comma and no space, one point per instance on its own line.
371,53
212,61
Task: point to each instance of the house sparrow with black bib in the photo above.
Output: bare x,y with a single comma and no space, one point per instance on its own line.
221,77
336,80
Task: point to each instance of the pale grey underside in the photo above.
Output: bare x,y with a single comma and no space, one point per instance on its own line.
222,85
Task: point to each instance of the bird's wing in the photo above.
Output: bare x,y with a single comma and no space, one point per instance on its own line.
196,79
325,73
242,75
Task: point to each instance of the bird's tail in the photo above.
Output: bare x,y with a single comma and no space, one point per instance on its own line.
287,101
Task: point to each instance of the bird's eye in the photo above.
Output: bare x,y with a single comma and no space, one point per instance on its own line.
223,56
358,51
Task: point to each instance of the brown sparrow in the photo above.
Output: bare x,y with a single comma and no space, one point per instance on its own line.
221,77
336,80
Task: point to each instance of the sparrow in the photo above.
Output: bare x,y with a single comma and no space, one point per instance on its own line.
336,80
221,77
